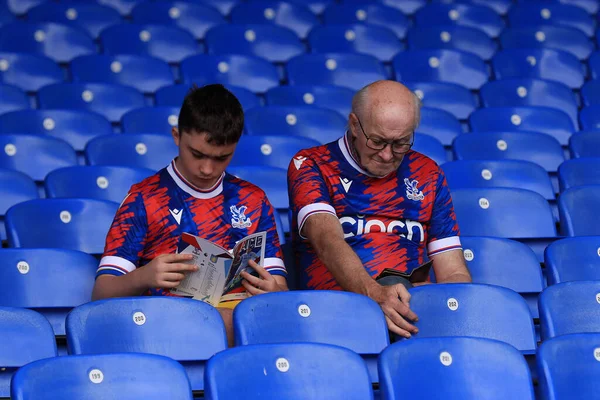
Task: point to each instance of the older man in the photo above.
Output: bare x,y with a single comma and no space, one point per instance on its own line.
367,202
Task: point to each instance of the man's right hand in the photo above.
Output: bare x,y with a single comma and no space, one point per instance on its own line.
166,271
395,303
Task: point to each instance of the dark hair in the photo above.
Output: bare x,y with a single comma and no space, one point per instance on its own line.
212,110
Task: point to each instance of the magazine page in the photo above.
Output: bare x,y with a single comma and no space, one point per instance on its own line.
252,247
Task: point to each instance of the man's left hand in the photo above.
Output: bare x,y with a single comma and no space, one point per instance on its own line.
264,283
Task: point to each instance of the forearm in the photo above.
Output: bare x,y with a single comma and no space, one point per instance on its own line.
108,286
457,277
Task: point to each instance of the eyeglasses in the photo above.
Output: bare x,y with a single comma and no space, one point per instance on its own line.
400,146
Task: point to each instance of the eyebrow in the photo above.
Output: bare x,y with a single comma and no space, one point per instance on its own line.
200,154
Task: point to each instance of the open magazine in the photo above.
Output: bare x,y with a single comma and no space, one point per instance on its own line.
218,268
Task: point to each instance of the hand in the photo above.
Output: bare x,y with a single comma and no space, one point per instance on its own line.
265,282
167,270
394,301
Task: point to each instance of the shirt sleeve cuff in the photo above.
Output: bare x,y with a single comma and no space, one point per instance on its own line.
275,266
111,265
312,209
443,245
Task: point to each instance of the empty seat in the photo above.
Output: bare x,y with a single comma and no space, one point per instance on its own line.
552,13
224,6
590,93
467,174
573,259
469,15
173,95
472,309
440,124
29,72
186,330
35,155
90,17
15,187
123,376
503,212
589,117
76,127
564,38
324,96
311,122
12,98
594,65
292,371
196,18
151,120
273,43
549,64
591,6
94,182
292,15
353,71
539,148
274,151
461,367
585,144
550,121
58,42
570,307
146,74
577,207
270,179
408,7
434,65
582,171
107,99
150,151
124,7
76,224
28,337
252,73
455,99
20,7
530,92
6,16
452,37
377,41
370,13
430,146
169,43
500,6
42,279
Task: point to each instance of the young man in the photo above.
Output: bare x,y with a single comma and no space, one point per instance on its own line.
193,194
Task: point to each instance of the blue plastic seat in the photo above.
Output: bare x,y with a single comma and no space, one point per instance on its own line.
196,18
594,65
151,120
292,371
58,42
469,15
42,279
589,118
590,93
472,309
29,72
573,259
577,207
315,123
88,16
123,376
570,307
35,155
28,337
461,367
109,100
6,16
437,65
186,330
252,73
292,15
591,6
124,7
273,151
455,99
146,74
500,6
585,144
539,148
370,13
223,6
172,96
571,40
76,224
577,172
519,92
431,147
503,212
440,124
20,7
94,182
481,174
12,98
278,318
353,71
377,41
273,43
331,97
550,121
528,14
408,7
76,127
15,187
169,43
549,64
452,37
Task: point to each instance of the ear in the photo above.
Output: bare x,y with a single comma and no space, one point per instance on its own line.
352,122
175,134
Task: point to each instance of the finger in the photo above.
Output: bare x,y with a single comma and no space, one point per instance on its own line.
261,271
396,329
404,308
181,267
168,284
252,289
403,293
173,277
174,258
251,278
399,320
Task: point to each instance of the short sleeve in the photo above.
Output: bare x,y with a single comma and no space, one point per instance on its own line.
443,229
273,262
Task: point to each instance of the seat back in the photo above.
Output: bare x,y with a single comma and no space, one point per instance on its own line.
440,124
560,14
158,119
12,98
564,38
573,259
451,97
273,151
372,13
577,172
469,15
577,210
29,72
331,97
454,37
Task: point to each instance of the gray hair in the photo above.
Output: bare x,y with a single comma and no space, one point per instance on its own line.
359,102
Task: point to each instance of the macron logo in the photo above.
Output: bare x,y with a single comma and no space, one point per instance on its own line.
177,215
298,161
346,184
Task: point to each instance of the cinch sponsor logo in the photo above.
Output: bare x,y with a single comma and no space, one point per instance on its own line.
359,225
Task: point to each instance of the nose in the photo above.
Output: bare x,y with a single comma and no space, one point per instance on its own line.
206,168
386,153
